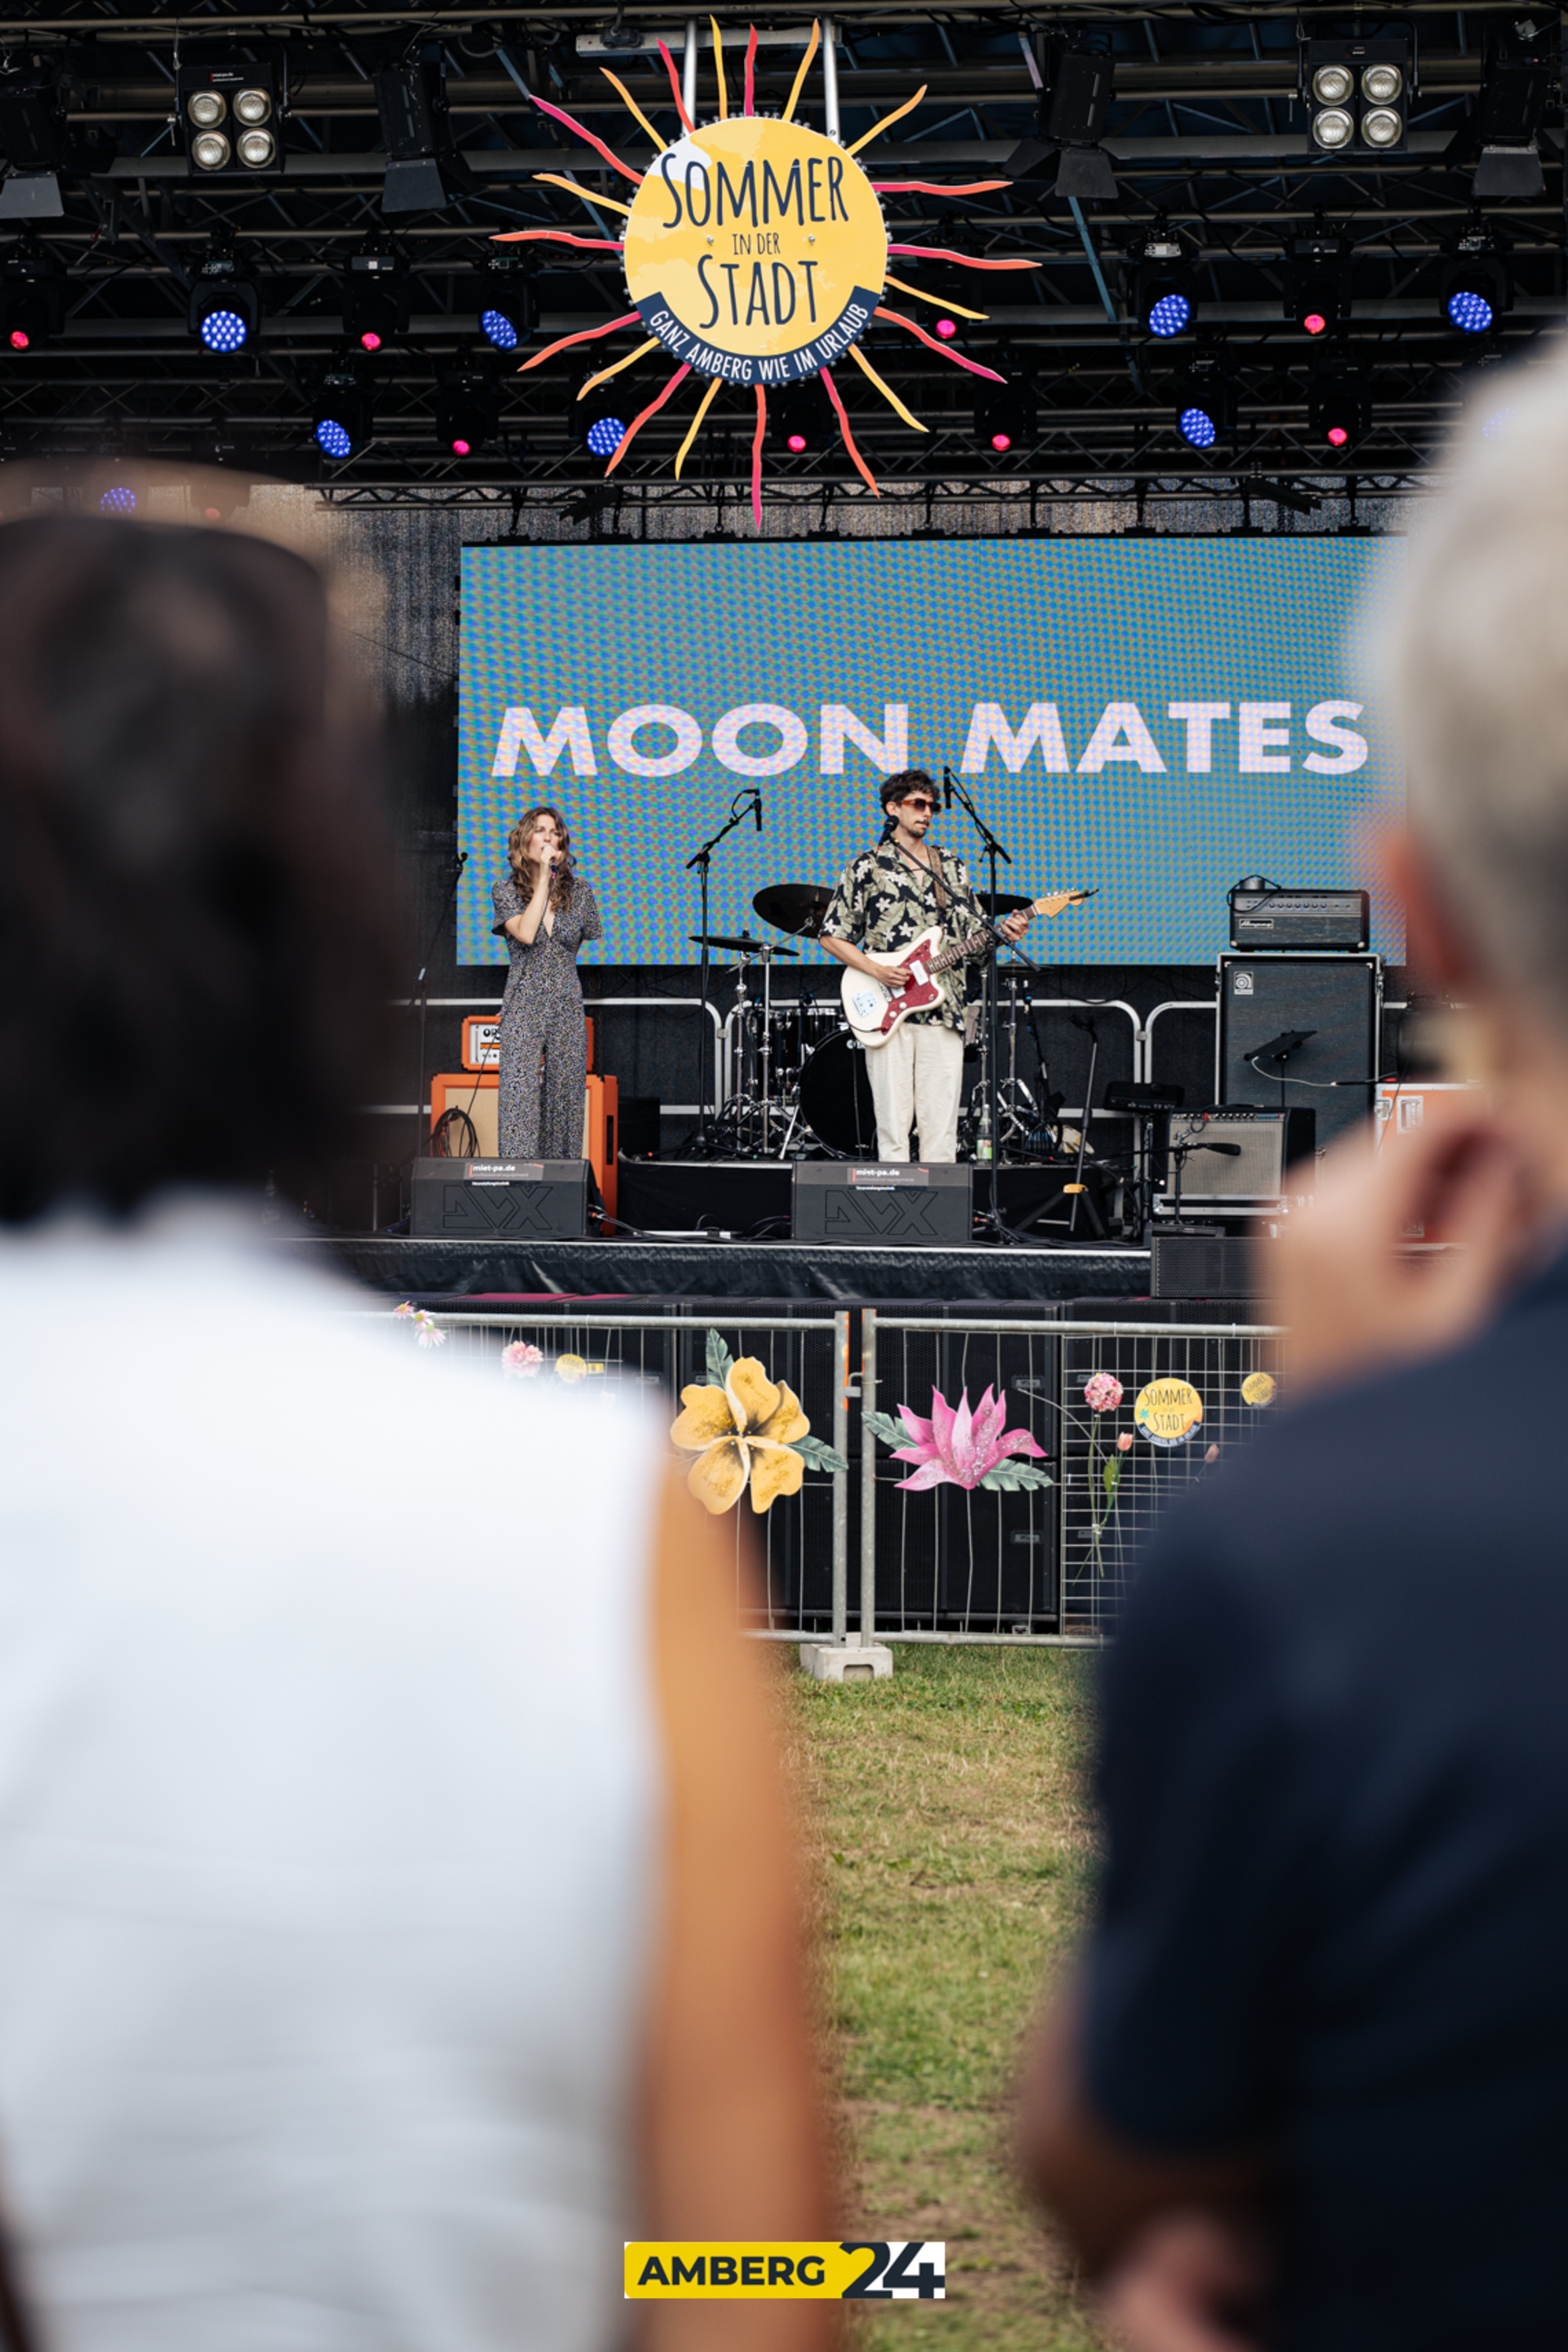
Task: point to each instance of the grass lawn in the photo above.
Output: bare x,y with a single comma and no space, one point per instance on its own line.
952,1841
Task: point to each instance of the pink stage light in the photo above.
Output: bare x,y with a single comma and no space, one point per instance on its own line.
1314,322
947,329
797,442
1001,442
460,448
371,339
21,340
1338,436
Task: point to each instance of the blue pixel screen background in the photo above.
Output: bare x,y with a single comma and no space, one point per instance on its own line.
641,689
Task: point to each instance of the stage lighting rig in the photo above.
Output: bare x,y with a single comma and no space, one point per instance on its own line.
466,409
375,296
1519,69
506,306
1204,403
1338,411
1073,109
1003,418
225,311
37,140
416,130
1357,93
342,422
1474,292
801,418
1316,289
32,299
231,112
1164,302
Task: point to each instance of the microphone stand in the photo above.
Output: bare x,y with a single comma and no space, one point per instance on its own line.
422,991
994,851
745,804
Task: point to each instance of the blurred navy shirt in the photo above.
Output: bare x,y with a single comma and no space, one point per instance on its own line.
1334,1915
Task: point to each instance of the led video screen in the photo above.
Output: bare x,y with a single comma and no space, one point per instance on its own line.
1154,717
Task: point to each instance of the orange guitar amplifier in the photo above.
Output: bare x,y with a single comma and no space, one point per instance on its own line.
478,1094
481,1041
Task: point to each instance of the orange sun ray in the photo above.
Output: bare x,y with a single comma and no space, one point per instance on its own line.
615,366
556,236
805,68
888,394
957,358
860,466
750,107
628,99
703,405
936,188
719,69
937,301
584,335
635,427
964,261
757,446
685,121
614,161
886,123
576,187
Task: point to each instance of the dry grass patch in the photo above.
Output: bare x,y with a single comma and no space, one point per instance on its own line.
951,1843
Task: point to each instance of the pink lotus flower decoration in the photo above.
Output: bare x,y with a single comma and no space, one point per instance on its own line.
960,1448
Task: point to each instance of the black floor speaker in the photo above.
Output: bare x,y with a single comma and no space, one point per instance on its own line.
862,1202
1338,998
1207,1265
500,1200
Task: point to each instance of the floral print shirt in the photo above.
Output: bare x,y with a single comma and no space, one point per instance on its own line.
883,901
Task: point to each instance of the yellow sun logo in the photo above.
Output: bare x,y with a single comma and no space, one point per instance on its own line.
755,254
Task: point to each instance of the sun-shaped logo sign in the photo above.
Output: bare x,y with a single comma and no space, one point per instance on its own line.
756,254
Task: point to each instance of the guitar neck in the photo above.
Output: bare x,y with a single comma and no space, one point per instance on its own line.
975,944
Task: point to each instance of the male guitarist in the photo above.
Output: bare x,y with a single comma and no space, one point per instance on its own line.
883,902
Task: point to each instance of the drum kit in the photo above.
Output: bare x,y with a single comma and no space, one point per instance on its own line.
799,1082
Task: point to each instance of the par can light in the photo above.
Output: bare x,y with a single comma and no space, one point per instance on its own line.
1469,311
210,150
1332,85
1197,427
1381,127
252,106
118,500
605,434
206,109
1381,84
1333,128
224,330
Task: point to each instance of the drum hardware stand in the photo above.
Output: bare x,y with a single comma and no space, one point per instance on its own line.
746,803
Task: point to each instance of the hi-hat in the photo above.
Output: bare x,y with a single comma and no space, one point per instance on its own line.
797,906
744,946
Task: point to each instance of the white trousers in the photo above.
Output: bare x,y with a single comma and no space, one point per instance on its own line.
917,1074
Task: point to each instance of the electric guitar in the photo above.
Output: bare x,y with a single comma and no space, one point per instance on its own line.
874,1012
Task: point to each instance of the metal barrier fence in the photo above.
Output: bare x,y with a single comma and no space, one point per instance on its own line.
1042,1452
1103,1409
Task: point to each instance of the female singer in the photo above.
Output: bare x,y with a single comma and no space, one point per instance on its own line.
544,911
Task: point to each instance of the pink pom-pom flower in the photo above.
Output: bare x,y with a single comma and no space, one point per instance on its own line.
521,1360
1102,1392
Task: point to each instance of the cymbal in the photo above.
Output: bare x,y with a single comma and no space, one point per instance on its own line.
1003,903
744,946
797,906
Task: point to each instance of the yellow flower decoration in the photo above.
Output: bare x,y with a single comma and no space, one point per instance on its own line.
1258,1387
741,1434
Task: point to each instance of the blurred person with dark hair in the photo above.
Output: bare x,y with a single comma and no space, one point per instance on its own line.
1311,2090
395,1914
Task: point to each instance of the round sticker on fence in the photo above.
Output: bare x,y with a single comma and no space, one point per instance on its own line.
1258,1387
1167,1412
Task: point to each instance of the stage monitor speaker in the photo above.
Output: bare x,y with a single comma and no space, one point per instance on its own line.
500,1200
1233,1157
1207,1265
1337,1000
861,1202
640,1115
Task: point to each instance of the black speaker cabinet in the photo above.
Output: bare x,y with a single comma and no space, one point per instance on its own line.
865,1202
1207,1265
1338,998
500,1200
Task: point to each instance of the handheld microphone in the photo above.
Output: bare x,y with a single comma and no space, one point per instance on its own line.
757,809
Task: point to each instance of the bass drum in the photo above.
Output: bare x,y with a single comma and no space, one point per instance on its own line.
836,1098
